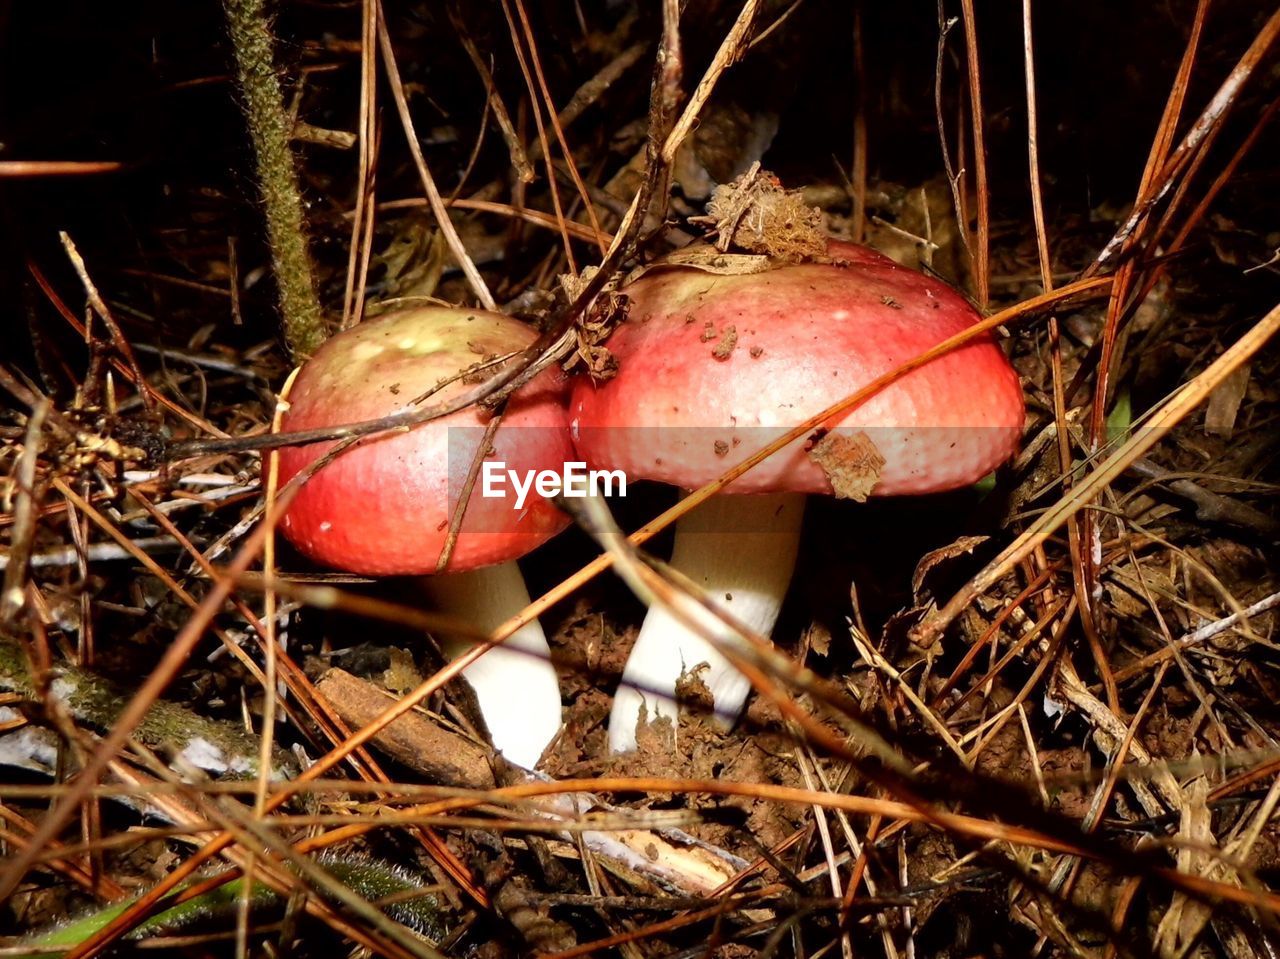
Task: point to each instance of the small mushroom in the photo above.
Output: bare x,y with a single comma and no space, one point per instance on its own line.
810,334
384,507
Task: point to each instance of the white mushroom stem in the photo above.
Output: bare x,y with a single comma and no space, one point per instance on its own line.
515,683
741,550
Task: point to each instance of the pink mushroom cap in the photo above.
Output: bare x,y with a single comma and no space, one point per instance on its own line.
711,367
384,507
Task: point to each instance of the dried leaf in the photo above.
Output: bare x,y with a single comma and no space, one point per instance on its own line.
916,226
728,139
1123,603
574,283
414,259
701,256
961,547
852,464
1196,856
1224,403
594,327
819,638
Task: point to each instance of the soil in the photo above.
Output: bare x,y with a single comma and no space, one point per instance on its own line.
587,645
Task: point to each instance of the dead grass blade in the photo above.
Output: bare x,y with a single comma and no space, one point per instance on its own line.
456,246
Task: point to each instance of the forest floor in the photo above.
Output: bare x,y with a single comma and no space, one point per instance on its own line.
1033,717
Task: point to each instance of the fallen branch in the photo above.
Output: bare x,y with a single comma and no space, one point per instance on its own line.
670,857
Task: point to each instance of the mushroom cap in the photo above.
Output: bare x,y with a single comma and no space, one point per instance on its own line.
713,367
383,507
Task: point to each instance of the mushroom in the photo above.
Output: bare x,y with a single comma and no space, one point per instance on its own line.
384,507
712,367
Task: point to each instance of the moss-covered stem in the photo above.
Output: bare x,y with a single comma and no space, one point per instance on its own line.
219,748
270,129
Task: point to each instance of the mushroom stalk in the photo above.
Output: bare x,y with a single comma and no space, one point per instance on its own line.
741,550
515,683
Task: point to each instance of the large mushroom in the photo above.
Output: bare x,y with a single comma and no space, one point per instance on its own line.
712,367
384,507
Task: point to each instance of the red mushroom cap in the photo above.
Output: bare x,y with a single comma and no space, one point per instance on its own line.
384,507
711,367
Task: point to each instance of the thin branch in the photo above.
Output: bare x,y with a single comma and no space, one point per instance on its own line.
363,219
981,259
438,209
168,667
1211,117
515,148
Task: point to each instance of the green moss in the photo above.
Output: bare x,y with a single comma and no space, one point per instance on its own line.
166,727
372,879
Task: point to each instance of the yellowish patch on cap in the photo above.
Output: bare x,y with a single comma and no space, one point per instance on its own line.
423,344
